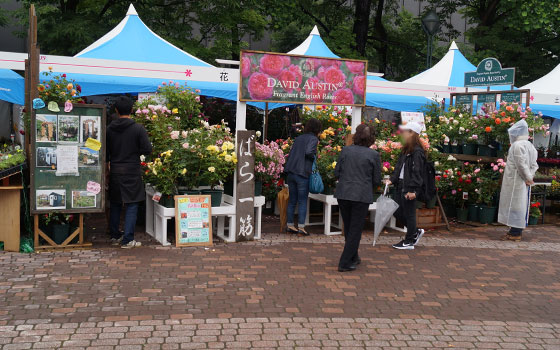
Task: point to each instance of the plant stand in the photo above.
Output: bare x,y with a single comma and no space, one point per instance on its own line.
78,232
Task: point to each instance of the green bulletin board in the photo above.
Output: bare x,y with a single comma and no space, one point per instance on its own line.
68,160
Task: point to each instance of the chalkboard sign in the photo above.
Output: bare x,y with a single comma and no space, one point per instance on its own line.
67,160
193,220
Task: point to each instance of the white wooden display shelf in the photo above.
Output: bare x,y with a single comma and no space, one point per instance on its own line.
329,201
158,215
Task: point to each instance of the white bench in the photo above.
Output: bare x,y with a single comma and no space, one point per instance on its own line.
158,215
329,201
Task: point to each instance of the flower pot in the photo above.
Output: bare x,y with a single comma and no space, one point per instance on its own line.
533,220
189,192
446,148
457,149
329,190
484,151
472,212
462,214
258,188
431,203
60,232
167,201
470,149
449,209
486,215
215,195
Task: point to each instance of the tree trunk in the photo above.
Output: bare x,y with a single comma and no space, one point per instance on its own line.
235,42
361,24
381,33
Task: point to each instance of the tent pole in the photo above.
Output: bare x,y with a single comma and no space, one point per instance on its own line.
265,131
356,118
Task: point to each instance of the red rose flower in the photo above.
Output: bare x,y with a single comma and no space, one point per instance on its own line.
333,75
359,85
245,67
272,64
355,67
297,71
343,97
258,86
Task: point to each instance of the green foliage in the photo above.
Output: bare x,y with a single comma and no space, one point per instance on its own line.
11,156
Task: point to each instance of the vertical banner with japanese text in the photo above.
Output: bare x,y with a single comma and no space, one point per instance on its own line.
245,193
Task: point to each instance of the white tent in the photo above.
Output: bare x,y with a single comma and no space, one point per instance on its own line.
545,93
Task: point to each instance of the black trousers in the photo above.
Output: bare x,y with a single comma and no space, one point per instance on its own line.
515,231
353,216
406,213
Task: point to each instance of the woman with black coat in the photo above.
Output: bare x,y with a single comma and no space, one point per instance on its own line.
358,171
298,168
408,179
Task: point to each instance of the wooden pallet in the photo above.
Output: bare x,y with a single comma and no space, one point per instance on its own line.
78,232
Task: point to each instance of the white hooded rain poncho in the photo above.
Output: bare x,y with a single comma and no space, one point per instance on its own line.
520,167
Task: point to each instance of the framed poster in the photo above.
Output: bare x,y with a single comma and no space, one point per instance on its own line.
510,97
465,101
67,164
193,220
485,103
285,78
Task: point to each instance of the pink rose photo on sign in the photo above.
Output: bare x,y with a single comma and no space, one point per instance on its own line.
273,77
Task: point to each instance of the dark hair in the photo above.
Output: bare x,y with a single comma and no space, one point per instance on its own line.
364,136
410,146
313,126
123,105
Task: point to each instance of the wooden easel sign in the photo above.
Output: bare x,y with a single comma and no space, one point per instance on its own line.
193,220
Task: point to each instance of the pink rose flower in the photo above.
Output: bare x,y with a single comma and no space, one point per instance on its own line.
321,73
245,67
272,64
355,67
333,75
287,60
175,135
197,98
186,145
343,97
258,86
330,63
287,78
495,168
359,85
297,71
476,171
313,89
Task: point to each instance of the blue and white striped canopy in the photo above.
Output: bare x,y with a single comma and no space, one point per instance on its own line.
12,87
132,40
314,46
449,71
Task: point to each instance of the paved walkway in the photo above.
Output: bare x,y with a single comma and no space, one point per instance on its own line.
459,290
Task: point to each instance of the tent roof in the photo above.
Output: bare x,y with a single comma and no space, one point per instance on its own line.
12,87
449,71
547,84
314,46
132,40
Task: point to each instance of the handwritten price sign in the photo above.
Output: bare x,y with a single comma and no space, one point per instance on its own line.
93,187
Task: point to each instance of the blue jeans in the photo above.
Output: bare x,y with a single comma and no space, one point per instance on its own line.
129,221
299,191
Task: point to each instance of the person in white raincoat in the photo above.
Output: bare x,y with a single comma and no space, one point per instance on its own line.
518,177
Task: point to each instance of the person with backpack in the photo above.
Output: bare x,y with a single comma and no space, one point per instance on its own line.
408,178
298,168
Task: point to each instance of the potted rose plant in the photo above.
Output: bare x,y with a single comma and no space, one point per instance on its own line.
534,213
269,166
59,225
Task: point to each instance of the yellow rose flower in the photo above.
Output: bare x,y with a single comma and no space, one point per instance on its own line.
184,171
174,111
224,147
211,169
228,158
69,86
333,165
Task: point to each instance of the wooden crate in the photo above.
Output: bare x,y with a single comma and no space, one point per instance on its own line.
426,218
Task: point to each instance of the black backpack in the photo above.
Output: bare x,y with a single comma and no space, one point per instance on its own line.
428,191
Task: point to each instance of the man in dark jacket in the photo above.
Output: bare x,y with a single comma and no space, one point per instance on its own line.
126,142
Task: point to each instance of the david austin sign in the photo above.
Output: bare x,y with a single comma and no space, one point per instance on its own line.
490,72
272,77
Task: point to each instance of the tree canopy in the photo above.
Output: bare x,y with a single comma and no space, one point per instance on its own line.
517,32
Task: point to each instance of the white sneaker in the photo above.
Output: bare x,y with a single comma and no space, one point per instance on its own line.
418,236
131,244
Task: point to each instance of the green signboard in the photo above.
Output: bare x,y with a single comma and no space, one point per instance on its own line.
486,103
511,97
273,77
68,160
465,101
489,72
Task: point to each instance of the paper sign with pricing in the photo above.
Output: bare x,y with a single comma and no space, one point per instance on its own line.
93,144
93,187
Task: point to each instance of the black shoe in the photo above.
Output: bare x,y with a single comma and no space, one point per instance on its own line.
404,245
419,234
347,269
358,261
303,232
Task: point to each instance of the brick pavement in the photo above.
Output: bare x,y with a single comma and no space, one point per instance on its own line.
285,292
